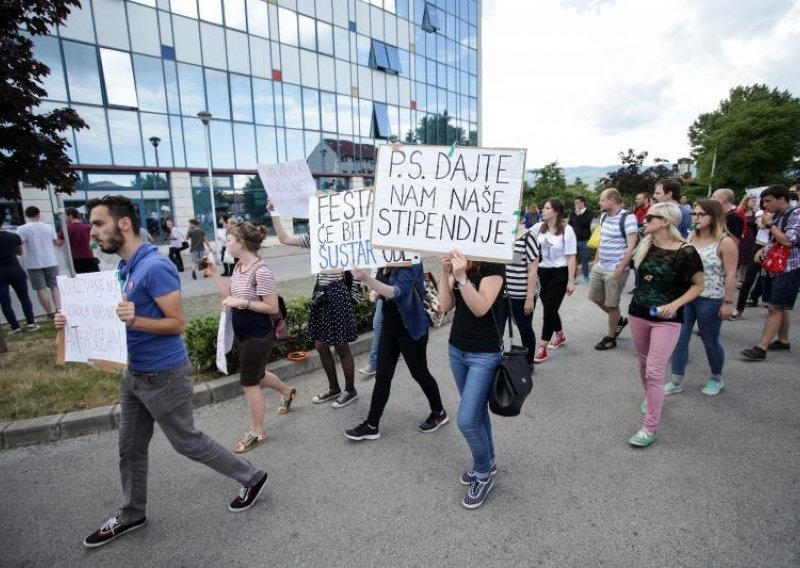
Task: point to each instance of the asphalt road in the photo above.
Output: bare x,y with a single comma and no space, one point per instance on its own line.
721,487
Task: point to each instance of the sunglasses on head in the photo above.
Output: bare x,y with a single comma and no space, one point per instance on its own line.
649,217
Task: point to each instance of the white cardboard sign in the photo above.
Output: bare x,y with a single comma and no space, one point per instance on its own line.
289,186
93,330
435,199
339,228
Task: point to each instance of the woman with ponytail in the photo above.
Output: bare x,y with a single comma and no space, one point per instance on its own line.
671,276
253,297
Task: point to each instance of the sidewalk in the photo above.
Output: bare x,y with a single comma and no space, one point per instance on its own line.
719,488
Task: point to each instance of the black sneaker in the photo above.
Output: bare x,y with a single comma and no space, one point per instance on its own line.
477,493
606,343
434,422
111,530
325,396
779,345
620,326
248,496
754,354
363,432
469,476
345,398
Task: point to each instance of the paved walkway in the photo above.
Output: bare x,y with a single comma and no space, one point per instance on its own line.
721,487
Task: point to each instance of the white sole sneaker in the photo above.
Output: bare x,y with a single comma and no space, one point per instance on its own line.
337,404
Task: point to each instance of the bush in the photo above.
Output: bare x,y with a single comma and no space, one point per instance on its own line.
201,334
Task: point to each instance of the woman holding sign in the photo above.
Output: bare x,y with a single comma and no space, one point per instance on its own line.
404,331
253,296
473,288
331,321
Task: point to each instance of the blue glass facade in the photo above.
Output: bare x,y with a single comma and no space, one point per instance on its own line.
283,80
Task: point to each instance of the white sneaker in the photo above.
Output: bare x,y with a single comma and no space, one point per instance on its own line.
367,371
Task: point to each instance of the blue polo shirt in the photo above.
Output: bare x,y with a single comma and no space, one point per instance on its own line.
146,276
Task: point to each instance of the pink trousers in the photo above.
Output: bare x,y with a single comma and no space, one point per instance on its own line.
654,343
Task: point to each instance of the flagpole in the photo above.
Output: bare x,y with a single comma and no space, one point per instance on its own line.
713,167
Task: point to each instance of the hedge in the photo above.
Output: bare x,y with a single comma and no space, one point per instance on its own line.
201,334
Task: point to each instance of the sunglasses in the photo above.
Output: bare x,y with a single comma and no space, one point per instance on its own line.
699,214
649,217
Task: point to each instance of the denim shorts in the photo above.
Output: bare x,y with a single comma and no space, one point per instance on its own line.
780,290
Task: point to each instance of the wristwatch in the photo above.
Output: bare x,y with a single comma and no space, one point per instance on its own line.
462,283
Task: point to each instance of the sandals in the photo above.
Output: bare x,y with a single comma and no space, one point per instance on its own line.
286,403
606,343
248,442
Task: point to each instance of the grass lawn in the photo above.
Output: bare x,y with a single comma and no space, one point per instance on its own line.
31,384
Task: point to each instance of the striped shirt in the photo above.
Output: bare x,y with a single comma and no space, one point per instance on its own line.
612,243
526,250
323,278
788,221
255,283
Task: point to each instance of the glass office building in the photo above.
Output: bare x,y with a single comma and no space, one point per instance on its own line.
321,80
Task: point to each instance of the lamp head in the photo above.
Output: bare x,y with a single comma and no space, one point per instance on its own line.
155,141
204,116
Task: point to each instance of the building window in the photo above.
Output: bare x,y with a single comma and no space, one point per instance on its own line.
430,19
118,78
384,57
380,121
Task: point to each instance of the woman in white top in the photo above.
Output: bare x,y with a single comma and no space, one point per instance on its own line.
557,265
176,240
720,255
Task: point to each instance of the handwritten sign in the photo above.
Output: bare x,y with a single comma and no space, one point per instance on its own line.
93,331
435,199
289,187
339,228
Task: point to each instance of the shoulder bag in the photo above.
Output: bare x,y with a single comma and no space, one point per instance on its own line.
512,381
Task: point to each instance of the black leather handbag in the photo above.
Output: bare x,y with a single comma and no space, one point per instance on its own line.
513,378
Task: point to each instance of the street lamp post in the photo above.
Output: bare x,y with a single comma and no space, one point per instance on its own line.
155,141
205,118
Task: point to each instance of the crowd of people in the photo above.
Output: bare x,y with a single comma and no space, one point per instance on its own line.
688,261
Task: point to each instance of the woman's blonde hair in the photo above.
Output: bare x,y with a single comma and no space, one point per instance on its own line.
713,208
745,199
249,235
671,213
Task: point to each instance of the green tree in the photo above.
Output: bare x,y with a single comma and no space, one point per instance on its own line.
550,180
436,130
755,134
32,149
634,177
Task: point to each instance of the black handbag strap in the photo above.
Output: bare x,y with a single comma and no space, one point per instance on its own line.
508,318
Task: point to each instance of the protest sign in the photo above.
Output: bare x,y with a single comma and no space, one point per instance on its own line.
435,199
94,333
339,228
288,185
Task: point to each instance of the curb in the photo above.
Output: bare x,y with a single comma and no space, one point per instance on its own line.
94,420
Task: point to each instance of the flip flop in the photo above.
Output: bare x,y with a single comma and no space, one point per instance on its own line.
286,403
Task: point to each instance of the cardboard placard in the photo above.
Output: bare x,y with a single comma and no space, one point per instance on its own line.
94,334
339,228
289,186
435,199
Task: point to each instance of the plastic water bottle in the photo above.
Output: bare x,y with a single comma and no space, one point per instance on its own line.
654,313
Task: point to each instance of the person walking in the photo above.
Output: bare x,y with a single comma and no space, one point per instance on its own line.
331,321
222,234
252,296
475,350
13,276
750,292
198,243
668,190
778,289
404,331
671,277
618,237
581,222
747,209
719,253
556,273
157,386
83,258
38,240
377,324
176,241
521,278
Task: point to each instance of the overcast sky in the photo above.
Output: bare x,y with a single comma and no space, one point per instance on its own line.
579,80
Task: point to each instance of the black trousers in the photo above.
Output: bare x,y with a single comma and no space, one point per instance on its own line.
524,325
553,283
414,352
176,258
750,276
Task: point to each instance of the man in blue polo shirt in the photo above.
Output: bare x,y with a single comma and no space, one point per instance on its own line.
157,386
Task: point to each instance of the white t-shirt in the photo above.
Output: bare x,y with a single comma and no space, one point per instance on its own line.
762,236
38,244
555,248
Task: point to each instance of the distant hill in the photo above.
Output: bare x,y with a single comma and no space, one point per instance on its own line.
589,174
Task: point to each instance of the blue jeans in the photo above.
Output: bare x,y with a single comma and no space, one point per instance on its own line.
583,258
706,312
377,324
473,373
